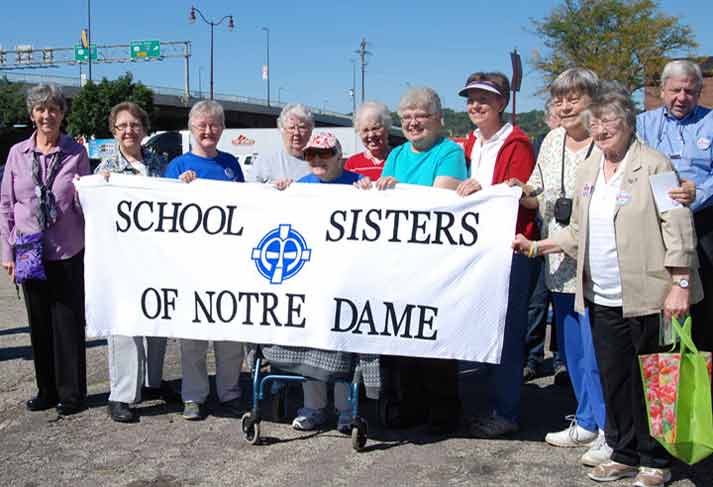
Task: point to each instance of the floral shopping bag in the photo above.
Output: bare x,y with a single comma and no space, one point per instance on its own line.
677,387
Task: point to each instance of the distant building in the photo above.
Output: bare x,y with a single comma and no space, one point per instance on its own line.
653,93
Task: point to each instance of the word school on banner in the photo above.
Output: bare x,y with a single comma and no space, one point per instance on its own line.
411,271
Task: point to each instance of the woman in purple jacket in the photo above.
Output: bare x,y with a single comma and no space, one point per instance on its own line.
42,229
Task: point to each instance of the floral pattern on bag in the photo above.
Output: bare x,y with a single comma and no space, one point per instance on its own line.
660,373
29,250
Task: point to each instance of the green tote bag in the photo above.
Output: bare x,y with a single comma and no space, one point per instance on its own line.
677,387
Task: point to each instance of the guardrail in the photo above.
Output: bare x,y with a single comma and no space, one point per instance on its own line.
159,90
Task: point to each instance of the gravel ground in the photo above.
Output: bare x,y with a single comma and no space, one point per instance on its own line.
163,450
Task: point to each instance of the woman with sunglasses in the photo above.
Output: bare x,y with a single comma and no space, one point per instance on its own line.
323,153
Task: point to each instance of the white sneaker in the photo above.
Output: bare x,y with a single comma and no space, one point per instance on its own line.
571,437
598,453
309,419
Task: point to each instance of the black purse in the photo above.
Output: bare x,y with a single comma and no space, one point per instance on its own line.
563,205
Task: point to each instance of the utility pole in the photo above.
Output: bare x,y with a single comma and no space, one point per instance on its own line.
363,53
89,35
352,92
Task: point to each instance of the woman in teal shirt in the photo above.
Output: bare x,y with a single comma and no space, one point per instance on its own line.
428,387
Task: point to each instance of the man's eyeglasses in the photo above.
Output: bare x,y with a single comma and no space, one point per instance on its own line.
133,126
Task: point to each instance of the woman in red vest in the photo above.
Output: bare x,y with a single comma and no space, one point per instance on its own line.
495,152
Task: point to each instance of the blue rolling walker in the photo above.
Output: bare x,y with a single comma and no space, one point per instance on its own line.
250,422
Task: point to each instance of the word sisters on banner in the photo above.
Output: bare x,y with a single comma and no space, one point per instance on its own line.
410,271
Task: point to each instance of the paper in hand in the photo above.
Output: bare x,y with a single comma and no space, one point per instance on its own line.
661,184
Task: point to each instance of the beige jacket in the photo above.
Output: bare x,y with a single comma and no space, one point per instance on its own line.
647,241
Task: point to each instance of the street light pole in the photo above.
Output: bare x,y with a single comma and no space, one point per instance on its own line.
231,25
267,31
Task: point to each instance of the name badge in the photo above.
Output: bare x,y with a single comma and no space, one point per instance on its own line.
623,198
587,190
703,143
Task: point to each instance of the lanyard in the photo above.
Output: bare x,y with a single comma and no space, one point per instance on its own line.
564,147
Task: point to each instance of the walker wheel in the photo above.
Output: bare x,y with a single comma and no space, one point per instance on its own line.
359,433
250,429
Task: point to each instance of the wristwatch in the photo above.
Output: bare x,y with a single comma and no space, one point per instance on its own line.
682,283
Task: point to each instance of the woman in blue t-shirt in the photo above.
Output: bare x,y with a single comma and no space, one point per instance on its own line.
206,121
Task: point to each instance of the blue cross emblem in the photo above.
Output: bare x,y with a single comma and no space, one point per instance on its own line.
281,254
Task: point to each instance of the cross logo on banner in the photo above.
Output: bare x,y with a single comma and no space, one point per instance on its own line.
281,254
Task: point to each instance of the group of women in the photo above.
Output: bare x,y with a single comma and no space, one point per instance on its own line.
613,261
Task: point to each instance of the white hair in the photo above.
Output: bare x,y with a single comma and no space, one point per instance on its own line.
682,68
423,98
296,110
207,108
372,110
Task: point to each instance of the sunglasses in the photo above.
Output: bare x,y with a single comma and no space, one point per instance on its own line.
319,154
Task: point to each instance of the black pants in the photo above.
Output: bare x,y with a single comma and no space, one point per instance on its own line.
425,390
618,342
55,311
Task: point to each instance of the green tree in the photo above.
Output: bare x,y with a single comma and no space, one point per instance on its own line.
12,104
623,40
91,105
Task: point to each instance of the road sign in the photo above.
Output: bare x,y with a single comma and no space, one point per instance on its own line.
81,54
145,49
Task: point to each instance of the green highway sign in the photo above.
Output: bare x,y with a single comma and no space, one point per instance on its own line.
145,49
81,54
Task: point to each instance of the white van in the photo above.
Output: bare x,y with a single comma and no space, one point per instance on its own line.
247,144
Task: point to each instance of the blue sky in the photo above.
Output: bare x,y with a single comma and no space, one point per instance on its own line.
413,43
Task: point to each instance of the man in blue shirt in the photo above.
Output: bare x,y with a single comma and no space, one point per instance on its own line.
683,131
206,121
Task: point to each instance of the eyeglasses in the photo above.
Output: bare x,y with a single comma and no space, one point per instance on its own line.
416,117
598,125
303,129
213,127
133,126
319,154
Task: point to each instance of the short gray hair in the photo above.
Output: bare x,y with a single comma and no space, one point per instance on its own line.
207,108
575,80
421,97
44,94
373,110
682,68
613,97
296,110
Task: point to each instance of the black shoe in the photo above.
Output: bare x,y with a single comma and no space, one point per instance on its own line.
233,408
529,373
69,408
561,377
39,403
164,392
121,412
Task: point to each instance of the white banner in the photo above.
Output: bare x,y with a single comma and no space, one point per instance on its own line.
411,271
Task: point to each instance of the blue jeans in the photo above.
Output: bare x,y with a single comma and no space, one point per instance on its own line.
581,362
505,379
538,305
